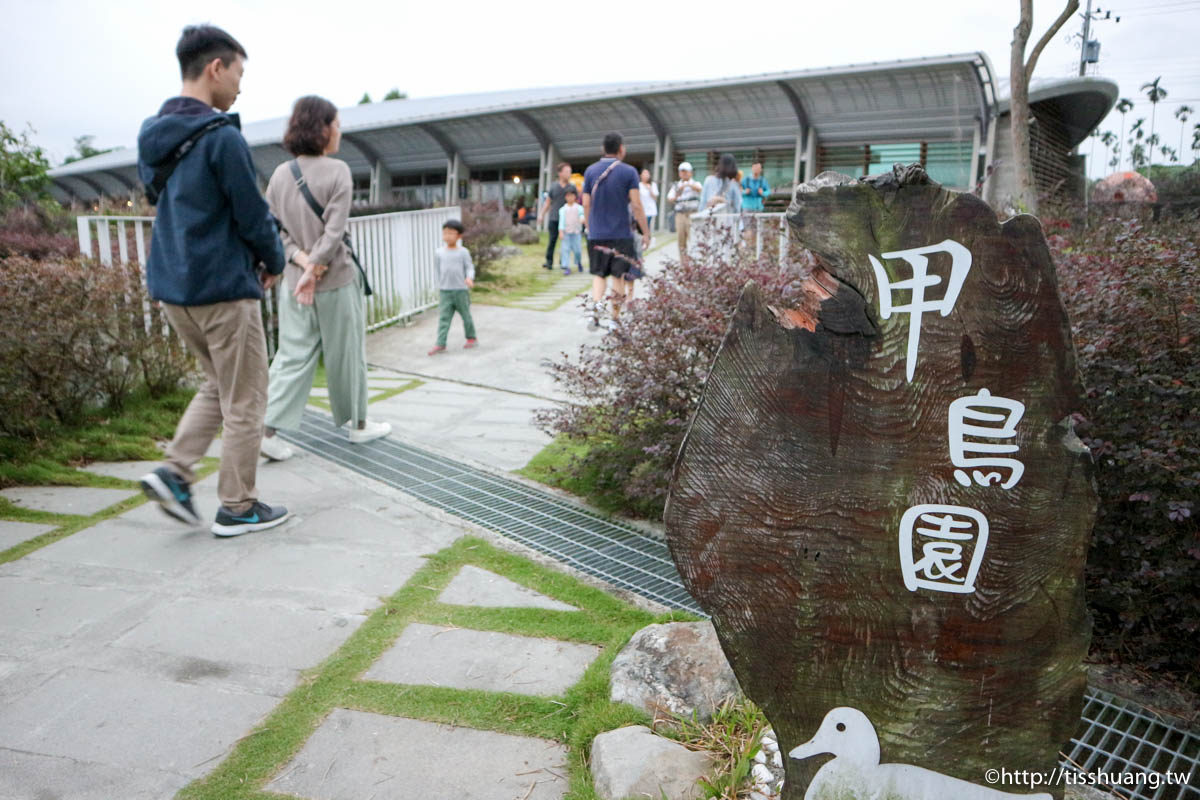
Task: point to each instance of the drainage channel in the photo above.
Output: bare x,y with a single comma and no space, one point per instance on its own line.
612,551
1115,735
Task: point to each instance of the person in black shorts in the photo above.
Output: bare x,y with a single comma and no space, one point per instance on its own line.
610,192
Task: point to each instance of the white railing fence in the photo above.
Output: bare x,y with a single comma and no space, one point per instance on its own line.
396,251
722,231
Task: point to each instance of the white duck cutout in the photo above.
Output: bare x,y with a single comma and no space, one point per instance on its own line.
855,772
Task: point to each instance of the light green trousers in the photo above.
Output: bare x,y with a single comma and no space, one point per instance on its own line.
334,325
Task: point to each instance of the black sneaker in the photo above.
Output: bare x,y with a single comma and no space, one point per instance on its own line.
172,493
258,517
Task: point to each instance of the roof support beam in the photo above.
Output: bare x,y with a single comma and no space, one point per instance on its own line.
660,130
121,179
794,98
95,186
369,152
535,128
63,186
440,137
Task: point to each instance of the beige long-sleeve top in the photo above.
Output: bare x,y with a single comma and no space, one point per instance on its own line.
330,182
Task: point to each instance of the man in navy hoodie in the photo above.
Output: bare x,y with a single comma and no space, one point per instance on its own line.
215,248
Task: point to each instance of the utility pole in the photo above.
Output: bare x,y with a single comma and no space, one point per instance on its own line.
1089,51
1083,50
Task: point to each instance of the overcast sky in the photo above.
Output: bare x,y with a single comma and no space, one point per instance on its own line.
81,67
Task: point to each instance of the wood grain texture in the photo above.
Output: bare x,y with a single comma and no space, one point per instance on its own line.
810,444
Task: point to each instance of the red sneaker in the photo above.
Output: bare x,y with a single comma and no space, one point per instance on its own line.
436,350
470,343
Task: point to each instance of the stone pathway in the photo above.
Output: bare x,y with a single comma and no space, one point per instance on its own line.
569,287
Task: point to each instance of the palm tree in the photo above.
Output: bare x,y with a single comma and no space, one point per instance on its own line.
1108,139
1155,93
1182,114
1124,106
1195,139
1168,153
1137,151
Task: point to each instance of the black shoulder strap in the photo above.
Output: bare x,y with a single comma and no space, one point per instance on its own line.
159,182
302,185
319,210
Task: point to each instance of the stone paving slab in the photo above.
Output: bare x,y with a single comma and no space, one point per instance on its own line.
130,721
129,470
462,658
143,540
83,500
327,569
30,776
355,755
13,533
473,586
219,629
56,609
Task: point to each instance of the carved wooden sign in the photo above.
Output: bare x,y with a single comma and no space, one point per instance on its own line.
882,503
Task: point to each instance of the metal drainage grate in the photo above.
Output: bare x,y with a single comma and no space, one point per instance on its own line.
609,550
1115,736
1119,737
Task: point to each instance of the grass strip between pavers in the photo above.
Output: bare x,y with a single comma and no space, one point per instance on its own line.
69,524
386,394
573,719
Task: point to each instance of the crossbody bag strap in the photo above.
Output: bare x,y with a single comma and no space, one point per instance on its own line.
319,210
158,183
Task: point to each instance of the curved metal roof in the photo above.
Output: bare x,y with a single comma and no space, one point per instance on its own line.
927,99
1082,102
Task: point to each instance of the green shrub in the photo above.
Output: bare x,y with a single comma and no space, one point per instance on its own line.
486,225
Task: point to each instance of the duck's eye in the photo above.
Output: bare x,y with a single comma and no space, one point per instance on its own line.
841,726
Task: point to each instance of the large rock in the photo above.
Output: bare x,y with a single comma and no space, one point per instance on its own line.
523,234
633,762
677,668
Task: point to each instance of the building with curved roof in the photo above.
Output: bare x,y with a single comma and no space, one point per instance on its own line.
858,119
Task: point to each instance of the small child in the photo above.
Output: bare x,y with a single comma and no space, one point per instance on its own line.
456,277
570,223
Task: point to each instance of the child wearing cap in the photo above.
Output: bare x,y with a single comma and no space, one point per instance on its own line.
685,194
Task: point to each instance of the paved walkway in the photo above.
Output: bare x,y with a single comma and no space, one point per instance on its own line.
136,653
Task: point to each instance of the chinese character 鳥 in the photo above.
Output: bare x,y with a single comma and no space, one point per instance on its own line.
960,265
943,533
969,419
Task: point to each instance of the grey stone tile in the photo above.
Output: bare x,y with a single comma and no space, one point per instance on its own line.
13,533
385,528
65,499
242,632
30,776
129,470
322,569
355,755
142,540
130,721
469,659
473,586
56,609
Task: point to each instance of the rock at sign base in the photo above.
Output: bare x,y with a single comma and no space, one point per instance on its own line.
675,668
634,762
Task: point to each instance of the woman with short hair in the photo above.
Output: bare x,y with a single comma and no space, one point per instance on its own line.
322,309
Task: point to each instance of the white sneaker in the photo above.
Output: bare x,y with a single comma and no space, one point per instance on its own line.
275,448
370,432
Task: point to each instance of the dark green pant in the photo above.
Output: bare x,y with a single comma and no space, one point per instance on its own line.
452,300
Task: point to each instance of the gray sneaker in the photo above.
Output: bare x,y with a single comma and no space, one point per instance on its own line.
258,517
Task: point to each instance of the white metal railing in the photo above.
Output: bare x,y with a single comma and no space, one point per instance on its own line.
724,231
396,251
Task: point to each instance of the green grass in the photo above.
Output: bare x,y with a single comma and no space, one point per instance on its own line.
517,276
573,718
549,466
53,459
320,381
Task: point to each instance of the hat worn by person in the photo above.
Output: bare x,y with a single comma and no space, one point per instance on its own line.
686,165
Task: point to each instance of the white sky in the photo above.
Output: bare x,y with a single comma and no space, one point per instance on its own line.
78,67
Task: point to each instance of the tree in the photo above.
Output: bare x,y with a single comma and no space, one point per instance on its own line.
1195,137
395,94
1124,106
1137,151
1155,93
1182,113
1108,139
23,167
1020,71
84,149
366,98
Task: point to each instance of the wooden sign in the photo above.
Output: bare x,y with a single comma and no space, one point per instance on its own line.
882,503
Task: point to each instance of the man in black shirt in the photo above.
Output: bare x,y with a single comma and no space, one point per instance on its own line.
555,199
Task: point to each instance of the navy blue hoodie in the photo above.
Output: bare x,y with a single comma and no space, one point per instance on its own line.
213,226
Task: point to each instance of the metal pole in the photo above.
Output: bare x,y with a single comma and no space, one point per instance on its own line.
1087,24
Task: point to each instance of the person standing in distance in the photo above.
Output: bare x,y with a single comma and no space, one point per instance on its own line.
610,192
555,199
685,194
211,232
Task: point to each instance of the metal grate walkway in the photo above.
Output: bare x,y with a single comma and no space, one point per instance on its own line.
612,551
1115,736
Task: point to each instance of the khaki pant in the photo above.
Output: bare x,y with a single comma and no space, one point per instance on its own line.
334,326
228,342
683,226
